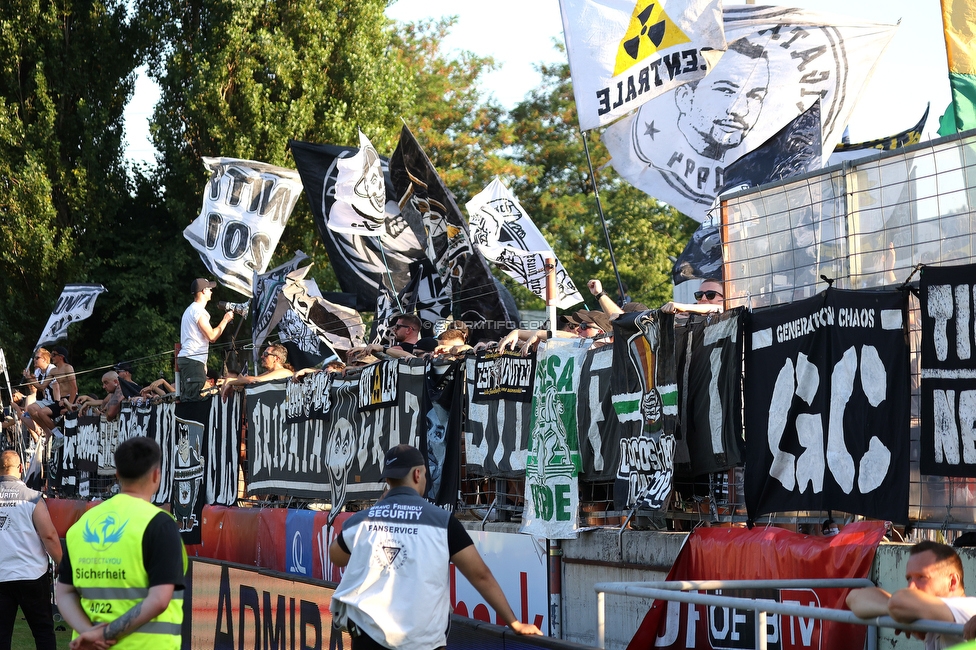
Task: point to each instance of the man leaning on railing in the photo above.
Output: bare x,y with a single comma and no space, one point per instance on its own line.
935,592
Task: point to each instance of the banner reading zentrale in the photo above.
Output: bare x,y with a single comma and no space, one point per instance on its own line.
757,554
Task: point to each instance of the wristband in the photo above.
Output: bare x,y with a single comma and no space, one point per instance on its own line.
601,294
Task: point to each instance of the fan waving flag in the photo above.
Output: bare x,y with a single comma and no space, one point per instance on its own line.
504,233
363,264
360,193
340,327
469,291
75,304
246,206
779,61
623,53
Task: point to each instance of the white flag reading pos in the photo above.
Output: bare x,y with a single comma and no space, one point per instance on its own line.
75,304
778,63
623,53
505,235
246,206
360,193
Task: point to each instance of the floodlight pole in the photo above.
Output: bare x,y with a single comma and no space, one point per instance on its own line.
606,231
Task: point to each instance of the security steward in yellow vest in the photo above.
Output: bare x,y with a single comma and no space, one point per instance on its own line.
121,578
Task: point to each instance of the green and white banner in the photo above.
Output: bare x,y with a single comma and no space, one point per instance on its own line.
554,463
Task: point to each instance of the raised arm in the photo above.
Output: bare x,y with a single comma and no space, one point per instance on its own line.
469,563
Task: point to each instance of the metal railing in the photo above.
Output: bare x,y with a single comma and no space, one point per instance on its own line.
676,591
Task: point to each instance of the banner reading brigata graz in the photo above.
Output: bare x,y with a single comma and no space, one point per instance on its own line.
948,387
827,406
341,426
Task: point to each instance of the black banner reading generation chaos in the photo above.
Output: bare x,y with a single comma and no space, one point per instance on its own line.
827,406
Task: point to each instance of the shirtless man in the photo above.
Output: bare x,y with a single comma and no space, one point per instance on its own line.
46,405
64,373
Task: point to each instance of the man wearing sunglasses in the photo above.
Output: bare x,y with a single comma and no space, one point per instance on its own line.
274,360
406,332
710,299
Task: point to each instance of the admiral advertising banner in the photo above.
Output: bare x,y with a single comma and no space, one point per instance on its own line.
709,436
246,206
645,394
623,53
779,62
244,608
827,406
948,387
553,462
757,554
337,452
494,440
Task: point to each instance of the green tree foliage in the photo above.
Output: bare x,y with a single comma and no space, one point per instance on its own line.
554,187
66,72
239,78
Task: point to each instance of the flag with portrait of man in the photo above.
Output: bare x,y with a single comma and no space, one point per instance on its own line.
779,61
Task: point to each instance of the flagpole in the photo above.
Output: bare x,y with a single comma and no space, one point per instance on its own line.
606,231
389,274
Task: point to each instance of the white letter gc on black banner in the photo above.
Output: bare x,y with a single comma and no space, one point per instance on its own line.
948,387
827,406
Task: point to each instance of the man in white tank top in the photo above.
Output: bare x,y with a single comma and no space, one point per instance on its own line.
196,335
27,537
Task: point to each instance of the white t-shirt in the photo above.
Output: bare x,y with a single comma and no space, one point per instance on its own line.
963,608
193,344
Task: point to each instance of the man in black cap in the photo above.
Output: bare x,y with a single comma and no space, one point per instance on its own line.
196,335
129,388
394,592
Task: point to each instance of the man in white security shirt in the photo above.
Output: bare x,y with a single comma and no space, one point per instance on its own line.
394,592
196,335
27,537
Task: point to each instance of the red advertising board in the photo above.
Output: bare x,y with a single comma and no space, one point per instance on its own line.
762,554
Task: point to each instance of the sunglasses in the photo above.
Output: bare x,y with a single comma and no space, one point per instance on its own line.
708,295
586,326
398,326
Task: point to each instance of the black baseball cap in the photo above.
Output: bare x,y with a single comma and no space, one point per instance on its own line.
62,351
400,460
200,284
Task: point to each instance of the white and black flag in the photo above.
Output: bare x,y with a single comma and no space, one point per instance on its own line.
948,386
75,304
246,206
827,406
